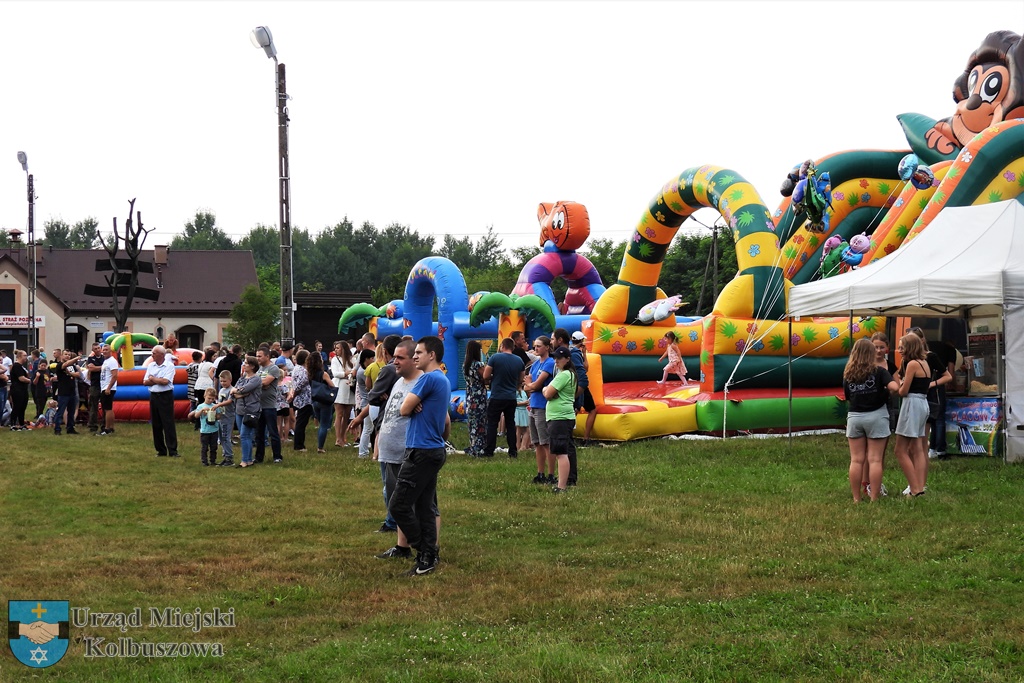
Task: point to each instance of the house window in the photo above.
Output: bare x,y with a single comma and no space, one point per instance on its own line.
7,302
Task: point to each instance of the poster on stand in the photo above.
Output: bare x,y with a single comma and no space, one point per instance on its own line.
973,425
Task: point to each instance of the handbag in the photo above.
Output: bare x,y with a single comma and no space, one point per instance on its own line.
251,420
323,393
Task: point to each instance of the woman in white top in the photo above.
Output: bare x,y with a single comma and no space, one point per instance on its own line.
343,371
205,380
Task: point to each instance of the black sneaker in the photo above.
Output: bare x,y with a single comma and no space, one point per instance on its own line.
425,564
513,454
557,490
226,463
73,431
397,552
552,479
385,529
278,460
540,479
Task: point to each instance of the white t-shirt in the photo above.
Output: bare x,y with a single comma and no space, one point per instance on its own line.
107,372
204,381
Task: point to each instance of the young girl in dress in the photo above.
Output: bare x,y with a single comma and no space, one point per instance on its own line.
522,418
675,360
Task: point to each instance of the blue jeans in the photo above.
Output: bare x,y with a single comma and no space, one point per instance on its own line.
389,521
245,438
324,412
65,404
3,400
224,426
366,437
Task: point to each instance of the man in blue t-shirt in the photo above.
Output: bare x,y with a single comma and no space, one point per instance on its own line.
426,406
541,372
505,372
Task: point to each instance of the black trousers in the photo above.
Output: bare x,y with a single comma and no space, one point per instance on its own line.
302,416
413,503
161,416
19,402
495,409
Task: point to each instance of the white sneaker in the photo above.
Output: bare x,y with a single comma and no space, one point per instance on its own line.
499,449
883,492
906,491
932,454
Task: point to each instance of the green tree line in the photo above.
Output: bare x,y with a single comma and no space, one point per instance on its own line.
377,261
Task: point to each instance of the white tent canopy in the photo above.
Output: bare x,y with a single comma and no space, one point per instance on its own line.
969,260
967,257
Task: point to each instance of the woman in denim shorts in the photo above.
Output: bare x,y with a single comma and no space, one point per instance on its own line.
867,387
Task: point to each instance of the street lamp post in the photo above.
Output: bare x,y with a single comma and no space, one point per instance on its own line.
33,341
261,37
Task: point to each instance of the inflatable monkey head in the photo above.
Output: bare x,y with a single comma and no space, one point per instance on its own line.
991,88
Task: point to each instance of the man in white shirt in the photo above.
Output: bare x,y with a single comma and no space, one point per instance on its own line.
159,378
108,387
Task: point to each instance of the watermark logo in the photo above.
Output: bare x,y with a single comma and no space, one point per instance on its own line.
37,631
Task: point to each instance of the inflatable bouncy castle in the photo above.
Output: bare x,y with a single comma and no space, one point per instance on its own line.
838,212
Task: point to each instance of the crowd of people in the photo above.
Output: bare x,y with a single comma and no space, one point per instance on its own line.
389,399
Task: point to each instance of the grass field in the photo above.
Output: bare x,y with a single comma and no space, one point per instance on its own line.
742,560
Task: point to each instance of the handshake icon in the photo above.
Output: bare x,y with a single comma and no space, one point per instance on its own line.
39,632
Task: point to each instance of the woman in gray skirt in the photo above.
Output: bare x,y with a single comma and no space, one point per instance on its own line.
916,379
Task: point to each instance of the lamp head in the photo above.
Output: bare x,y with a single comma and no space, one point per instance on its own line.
261,37
23,160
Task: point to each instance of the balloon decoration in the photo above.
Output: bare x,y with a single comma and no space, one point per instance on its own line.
922,178
659,309
853,254
907,166
811,193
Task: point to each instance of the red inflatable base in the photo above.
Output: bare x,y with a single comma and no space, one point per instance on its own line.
138,411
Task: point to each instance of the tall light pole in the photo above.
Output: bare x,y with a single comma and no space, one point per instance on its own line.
261,37
33,341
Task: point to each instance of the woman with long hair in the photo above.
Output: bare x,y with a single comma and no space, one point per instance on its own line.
476,399
916,378
935,429
867,387
321,411
344,371
561,413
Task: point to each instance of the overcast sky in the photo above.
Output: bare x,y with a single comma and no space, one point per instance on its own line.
450,117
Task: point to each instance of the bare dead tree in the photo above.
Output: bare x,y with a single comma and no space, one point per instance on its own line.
124,277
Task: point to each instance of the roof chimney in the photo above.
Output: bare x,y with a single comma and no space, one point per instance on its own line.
160,254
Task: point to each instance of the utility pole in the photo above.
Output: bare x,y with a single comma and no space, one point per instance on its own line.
262,38
285,197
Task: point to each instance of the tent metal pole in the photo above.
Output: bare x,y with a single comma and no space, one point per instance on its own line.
790,383
1000,375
